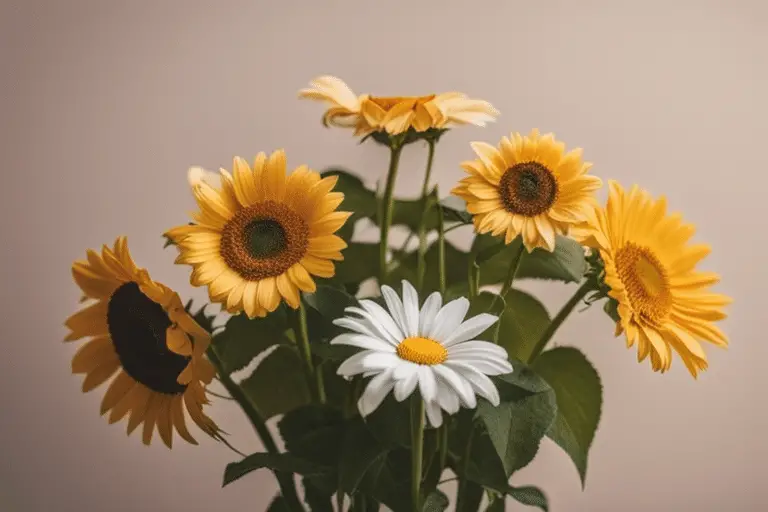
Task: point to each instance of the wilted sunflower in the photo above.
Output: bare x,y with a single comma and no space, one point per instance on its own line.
527,186
664,303
262,235
140,331
396,114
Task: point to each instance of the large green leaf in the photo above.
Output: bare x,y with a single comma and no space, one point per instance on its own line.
278,505
527,409
437,501
455,209
274,461
358,454
567,263
326,304
390,423
278,384
314,433
316,497
529,495
243,339
358,265
388,481
579,401
522,324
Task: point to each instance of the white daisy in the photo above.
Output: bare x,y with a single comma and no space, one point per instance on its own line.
432,348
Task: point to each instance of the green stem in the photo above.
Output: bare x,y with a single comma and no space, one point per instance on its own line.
314,377
514,266
441,249
462,487
582,292
387,204
417,449
443,444
425,205
285,480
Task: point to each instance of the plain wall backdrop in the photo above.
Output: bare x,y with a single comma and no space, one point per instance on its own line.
105,105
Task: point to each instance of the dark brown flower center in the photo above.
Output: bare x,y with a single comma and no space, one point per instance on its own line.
137,327
264,240
528,189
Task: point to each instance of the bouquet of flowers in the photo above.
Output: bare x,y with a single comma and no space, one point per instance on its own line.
394,369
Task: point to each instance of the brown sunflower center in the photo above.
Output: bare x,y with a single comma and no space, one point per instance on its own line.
645,281
528,189
264,240
137,327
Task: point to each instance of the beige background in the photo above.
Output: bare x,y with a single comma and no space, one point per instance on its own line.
105,104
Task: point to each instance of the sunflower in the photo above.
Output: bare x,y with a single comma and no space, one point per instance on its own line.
141,332
527,186
397,114
431,348
664,303
261,235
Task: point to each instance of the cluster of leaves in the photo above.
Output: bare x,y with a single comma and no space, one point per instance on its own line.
333,449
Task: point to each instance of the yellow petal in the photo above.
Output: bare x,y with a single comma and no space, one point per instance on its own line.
329,224
126,403
288,290
177,417
101,374
274,176
164,423
301,278
268,295
117,390
93,354
89,321
141,402
489,155
150,417
245,187
318,266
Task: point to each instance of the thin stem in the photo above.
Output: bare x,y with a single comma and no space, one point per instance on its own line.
314,378
582,292
229,445
417,449
441,482
217,395
441,249
425,205
387,203
443,445
514,266
285,480
462,487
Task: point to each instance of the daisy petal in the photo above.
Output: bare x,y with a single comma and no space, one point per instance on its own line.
459,385
410,309
469,329
428,312
383,320
395,306
434,415
362,341
375,392
480,383
404,387
479,347
447,399
448,319
427,383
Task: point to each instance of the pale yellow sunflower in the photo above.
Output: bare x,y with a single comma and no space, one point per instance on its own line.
527,186
261,235
141,332
395,114
664,303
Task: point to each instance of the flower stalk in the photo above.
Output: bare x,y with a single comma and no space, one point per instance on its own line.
425,207
417,449
387,208
314,375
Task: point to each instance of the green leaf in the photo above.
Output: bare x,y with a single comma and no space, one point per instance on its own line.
496,505
314,433
324,350
390,423
317,498
203,320
515,428
567,263
473,495
579,401
357,198
456,263
278,505
358,265
455,209
274,461
522,324
388,480
283,366
358,454
437,501
529,495
611,308
243,339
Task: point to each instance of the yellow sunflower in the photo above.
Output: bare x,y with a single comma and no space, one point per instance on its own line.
397,114
527,186
262,235
141,332
664,303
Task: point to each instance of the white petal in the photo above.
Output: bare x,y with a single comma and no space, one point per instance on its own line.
375,392
482,385
486,365
395,306
447,399
404,387
367,361
411,309
469,329
434,416
383,320
479,347
363,341
448,319
358,325
374,326
428,312
404,369
427,383
456,382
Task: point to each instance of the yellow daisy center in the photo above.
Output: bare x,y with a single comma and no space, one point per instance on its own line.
645,280
264,240
422,351
528,189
